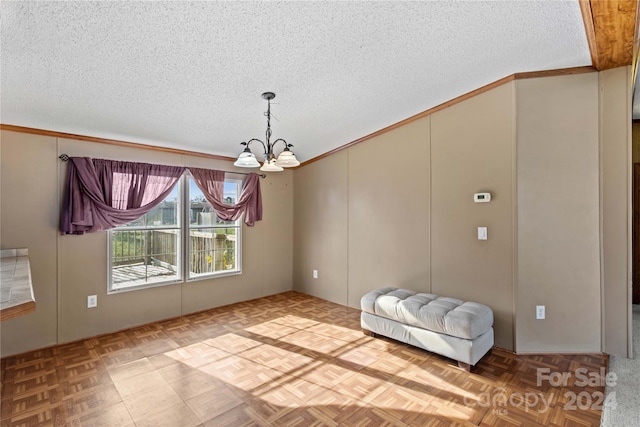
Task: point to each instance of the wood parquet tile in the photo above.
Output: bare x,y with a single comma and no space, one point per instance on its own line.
286,360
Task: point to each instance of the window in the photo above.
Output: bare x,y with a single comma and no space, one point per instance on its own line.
213,243
150,250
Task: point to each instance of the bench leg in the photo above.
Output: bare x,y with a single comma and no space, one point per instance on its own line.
368,333
464,366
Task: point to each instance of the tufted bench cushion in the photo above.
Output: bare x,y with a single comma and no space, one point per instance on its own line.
448,326
444,315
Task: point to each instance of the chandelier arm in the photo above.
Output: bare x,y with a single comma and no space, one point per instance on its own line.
256,140
273,144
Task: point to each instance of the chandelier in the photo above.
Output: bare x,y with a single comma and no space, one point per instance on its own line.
272,163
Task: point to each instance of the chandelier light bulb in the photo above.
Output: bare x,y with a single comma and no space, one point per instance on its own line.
246,159
270,166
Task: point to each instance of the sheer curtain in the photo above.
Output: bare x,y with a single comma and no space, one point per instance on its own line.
211,182
102,194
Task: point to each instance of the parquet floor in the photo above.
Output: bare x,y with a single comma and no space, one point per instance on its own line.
284,360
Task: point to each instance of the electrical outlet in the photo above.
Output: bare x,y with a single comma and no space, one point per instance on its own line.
315,274
482,233
92,301
540,312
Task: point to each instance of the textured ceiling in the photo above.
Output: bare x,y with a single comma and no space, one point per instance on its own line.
189,75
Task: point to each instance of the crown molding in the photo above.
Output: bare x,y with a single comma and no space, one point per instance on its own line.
55,134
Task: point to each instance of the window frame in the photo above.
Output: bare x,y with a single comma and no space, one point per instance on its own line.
183,250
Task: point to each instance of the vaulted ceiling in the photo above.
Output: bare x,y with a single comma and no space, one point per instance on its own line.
189,75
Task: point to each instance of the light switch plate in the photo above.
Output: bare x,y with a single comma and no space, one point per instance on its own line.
540,312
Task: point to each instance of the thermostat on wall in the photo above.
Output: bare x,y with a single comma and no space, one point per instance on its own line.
482,197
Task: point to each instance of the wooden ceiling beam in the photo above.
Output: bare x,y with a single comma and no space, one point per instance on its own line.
587,17
610,28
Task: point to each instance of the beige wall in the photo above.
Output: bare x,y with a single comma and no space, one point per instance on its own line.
68,268
558,214
615,111
320,230
535,145
387,229
472,148
388,234
29,213
362,218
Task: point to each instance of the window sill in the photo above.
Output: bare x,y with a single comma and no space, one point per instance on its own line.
213,276
172,282
143,287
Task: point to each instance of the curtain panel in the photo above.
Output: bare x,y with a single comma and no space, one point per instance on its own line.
211,182
103,194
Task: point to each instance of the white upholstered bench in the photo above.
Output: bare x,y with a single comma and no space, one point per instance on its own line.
460,330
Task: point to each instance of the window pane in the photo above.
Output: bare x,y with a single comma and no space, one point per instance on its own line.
141,257
231,192
212,250
166,213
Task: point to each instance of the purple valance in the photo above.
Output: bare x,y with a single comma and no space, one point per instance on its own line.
103,194
211,182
